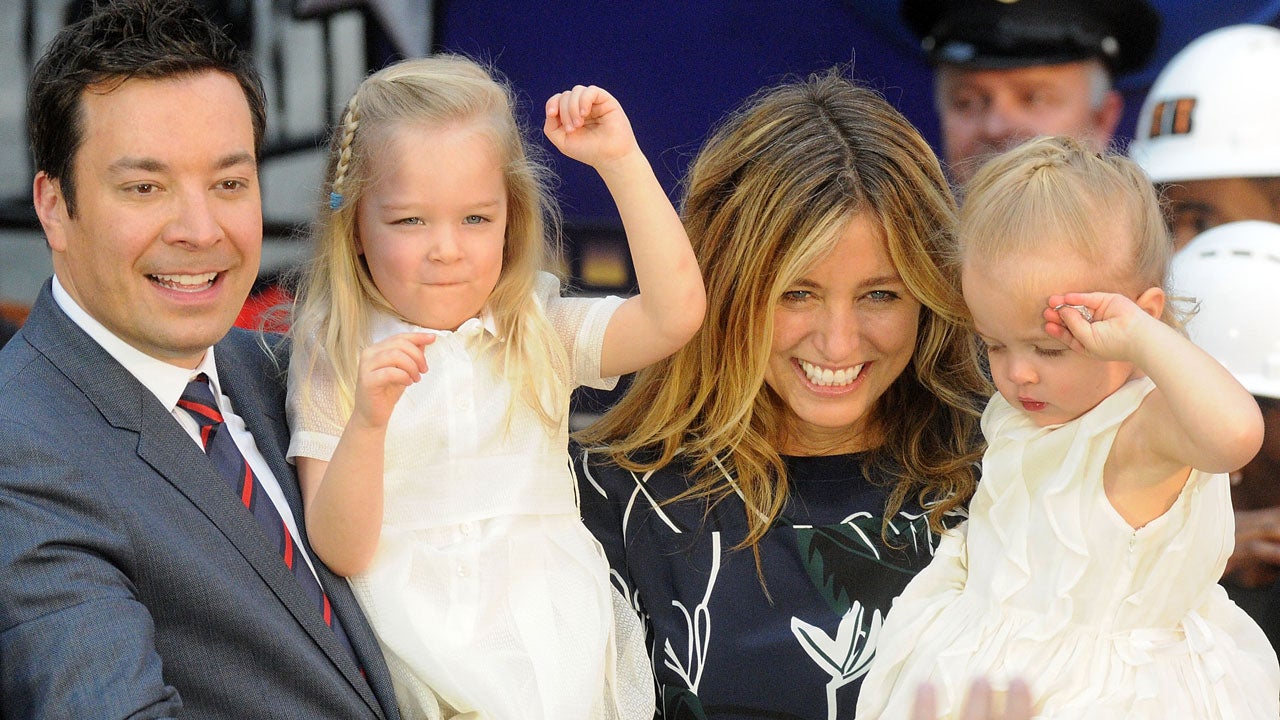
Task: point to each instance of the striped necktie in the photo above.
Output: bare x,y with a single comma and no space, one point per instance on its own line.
221,449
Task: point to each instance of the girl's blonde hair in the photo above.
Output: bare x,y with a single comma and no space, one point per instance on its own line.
1055,195
766,198
337,293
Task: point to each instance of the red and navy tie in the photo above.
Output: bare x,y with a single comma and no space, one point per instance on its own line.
221,449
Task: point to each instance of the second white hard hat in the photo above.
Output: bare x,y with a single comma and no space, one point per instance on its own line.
1213,110
1232,270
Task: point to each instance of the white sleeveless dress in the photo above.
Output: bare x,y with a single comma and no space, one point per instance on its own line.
491,600
1047,582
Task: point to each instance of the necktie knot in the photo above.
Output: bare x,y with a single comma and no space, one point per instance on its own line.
197,399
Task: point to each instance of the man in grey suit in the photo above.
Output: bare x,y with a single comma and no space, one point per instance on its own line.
134,581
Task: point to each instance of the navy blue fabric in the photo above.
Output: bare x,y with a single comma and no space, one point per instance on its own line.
824,564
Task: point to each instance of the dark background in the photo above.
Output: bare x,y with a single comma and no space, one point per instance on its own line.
678,67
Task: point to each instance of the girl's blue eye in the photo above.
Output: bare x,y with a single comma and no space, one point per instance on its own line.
796,295
473,219
882,295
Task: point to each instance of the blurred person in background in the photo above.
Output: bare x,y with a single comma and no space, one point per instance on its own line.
1207,131
1008,71
1229,270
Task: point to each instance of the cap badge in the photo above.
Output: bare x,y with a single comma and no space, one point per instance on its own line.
1172,117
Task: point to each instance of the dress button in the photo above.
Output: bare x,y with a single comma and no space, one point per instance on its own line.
463,571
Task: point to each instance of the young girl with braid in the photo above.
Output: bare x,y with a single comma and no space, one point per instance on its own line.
1090,560
429,388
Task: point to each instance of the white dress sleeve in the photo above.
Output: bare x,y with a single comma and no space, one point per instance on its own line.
313,405
579,323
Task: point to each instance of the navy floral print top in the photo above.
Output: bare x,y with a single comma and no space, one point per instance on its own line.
724,645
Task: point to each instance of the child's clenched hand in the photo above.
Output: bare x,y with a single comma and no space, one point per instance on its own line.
588,125
386,369
1100,325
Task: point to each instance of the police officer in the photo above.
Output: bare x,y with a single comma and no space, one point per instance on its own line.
1009,70
1207,134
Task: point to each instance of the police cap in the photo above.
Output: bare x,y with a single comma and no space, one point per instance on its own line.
1017,33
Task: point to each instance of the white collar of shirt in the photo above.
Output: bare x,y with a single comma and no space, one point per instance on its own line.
389,324
165,381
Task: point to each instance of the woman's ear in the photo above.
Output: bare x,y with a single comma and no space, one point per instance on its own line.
1152,302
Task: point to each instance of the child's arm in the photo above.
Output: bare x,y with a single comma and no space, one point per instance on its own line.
342,498
588,125
1198,415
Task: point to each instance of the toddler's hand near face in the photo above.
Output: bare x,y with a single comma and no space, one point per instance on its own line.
588,125
386,369
1097,324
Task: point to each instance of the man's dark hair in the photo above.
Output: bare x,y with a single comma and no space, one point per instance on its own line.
120,40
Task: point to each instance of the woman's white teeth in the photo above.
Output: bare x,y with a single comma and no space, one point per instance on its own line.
827,376
186,282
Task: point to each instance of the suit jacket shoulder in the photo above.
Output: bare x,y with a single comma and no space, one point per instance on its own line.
132,583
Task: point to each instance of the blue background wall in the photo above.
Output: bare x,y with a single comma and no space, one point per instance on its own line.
678,67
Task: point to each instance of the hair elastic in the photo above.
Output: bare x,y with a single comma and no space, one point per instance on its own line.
1084,311
335,200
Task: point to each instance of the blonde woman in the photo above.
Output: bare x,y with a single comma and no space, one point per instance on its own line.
764,493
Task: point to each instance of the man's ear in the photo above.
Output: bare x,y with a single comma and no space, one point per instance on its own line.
51,208
1152,302
1106,118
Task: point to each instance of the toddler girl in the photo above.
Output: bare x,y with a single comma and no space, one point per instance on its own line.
1090,560
428,392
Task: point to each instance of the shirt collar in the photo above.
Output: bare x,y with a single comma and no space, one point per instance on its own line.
167,382
485,322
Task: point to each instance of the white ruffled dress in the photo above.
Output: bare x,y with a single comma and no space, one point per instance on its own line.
1047,582
491,600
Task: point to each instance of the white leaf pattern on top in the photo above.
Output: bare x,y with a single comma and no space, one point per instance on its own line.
845,657
699,625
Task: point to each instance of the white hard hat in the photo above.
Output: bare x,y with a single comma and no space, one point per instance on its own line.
1232,270
1214,109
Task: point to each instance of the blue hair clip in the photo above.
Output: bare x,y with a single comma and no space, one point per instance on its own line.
335,200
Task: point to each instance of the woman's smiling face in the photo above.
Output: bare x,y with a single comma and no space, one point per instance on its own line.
842,334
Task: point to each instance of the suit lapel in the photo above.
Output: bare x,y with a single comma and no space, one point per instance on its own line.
162,443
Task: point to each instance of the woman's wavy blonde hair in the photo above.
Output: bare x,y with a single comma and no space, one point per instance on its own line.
337,293
767,197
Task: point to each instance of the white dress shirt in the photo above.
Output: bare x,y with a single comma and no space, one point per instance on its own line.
168,382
